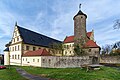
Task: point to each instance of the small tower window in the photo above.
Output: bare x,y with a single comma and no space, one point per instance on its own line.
89,50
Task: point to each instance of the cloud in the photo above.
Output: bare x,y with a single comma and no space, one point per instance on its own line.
55,18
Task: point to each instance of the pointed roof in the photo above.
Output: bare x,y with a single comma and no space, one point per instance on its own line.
33,38
39,52
69,39
80,13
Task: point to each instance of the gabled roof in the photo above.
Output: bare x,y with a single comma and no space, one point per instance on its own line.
39,52
33,38
69,39
91,44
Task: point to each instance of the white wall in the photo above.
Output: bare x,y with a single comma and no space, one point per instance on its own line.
15,60
6,58
28,61
55,61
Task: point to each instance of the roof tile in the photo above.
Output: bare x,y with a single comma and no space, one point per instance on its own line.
39,52
34,38
91,44
71,38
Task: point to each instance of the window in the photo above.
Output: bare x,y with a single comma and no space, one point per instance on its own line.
27,47
38,60
33,60
96,51
17,38
43,60
67,46
18,47
26,59
23,59
70,51
14,40
18,56
65,52
34,48
49,61
15,48
15,57
64,46
12,56
70,45
89,50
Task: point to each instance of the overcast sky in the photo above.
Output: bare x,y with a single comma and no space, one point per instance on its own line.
54,18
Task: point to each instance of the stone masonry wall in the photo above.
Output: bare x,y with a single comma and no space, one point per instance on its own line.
64,62
110,59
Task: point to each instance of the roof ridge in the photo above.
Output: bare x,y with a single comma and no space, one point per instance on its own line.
37,33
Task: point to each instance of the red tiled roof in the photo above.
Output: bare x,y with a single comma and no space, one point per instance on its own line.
89,34
71,38
91,44
39,52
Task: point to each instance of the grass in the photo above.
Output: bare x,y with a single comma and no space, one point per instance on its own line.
10,74
105,73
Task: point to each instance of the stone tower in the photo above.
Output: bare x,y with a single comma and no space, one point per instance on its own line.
80,27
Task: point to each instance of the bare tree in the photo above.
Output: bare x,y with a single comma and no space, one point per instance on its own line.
106,49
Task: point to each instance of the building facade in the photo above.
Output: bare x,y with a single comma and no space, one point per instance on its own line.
23,41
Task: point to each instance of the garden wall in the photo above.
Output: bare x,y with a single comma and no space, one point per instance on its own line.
110,59
64,62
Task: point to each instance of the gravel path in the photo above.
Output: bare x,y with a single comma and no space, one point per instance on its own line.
29,76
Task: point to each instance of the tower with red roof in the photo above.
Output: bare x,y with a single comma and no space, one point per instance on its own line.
80,33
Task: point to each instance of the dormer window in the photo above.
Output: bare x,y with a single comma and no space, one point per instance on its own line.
34,48
27,47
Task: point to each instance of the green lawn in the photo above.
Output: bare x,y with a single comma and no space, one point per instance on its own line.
105,73
10,74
